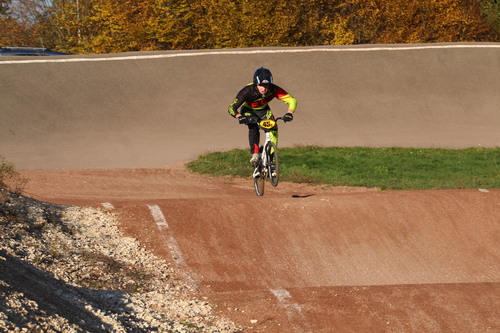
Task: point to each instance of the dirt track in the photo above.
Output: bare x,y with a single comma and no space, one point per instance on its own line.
330,259
336,259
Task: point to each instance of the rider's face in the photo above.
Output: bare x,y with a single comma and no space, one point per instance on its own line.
263,88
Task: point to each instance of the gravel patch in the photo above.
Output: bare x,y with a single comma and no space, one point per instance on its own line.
70,269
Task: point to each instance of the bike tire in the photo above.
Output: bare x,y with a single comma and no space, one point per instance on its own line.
273,163
258,183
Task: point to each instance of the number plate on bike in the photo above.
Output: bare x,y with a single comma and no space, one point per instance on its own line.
267,123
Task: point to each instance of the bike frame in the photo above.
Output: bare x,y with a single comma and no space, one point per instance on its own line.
266,165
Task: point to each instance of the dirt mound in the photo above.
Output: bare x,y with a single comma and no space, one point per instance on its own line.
308,258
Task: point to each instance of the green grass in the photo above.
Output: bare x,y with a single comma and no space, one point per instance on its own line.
385,168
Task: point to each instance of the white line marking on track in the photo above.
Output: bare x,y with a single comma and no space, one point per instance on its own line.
281,294
174,248
284,297
176,251
158,216
161,223
292,309
247,52
107,205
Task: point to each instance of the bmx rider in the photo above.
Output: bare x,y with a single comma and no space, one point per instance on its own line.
253,104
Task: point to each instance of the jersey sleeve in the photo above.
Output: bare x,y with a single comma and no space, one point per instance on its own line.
238,101
281,94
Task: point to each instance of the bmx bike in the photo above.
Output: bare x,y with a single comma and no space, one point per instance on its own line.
269,165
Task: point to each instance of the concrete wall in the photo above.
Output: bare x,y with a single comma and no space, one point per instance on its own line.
150,109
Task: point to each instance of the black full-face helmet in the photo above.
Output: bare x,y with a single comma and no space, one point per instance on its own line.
262,76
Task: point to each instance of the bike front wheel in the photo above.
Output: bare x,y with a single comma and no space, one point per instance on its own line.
273,164
258,180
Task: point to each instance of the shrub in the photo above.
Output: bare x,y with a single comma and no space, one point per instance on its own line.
10,179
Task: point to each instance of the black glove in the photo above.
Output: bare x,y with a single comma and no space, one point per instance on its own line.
288,117
253,120
243,120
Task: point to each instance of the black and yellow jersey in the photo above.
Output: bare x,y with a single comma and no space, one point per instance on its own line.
250,98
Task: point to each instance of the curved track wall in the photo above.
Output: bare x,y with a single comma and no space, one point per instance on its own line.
153,108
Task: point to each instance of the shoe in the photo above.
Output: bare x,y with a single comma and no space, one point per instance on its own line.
255,159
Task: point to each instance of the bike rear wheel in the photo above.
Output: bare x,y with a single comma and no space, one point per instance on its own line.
273,164
258,181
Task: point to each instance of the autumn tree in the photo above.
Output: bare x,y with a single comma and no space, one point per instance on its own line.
491,12
103,26
24,23
12,30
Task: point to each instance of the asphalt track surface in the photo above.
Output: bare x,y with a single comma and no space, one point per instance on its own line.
113,131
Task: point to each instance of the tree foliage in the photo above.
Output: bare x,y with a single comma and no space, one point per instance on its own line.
102,26
491,12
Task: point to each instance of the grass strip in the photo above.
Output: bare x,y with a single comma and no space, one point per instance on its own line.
385,168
